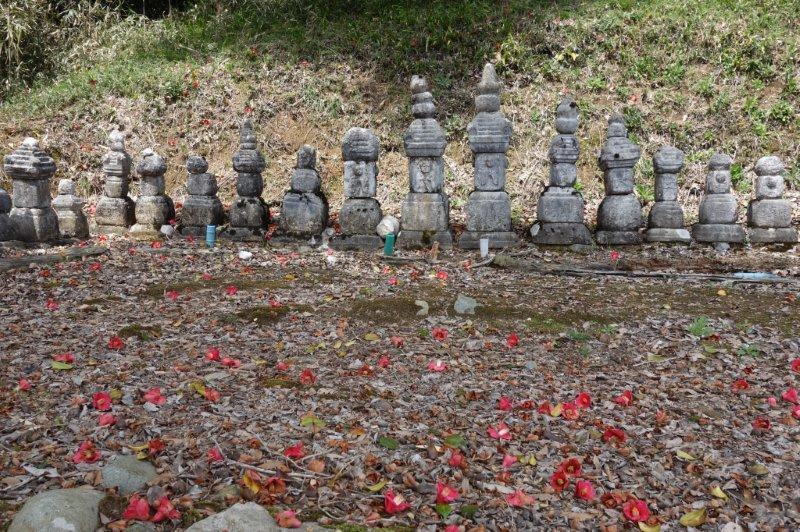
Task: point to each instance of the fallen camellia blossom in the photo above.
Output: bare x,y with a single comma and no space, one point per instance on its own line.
215,455
24,385
212,395
439,333
437,366
295,451
796,412
138,509
571,467
559,480
156,446
761,424
790,396
67,358
165,510
153,395
51,304
288,519
231,362
614,436
87,453
636,510
625,398
795,365
509,460
101,401
740,385
307,377
394,503
583,400
383,362
570,411
231,290
519,498
504,403
457,459
584,490
172,295
512,340
212,353
445,494
116,343
397,341
106,419
500,432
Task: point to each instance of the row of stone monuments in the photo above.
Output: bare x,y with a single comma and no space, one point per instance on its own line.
425,212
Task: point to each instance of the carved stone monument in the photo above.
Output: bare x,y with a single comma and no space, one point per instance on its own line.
30,170
489,207
559,211
8,230
719,209
769,216
72,221
619,217
115,211
425,213
304,213
361,213
202,207
153,207
665,223
249,214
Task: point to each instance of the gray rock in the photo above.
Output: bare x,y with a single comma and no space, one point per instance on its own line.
661,234
360,144
59,510
769,213
389,225
114,212
31,194
777,235
360,179
665,221
497,239
719,209
249,215
620,213
618,181
465,304
202,207
488,212
361,213
490,171
426,174
560,234
32,217
5,202
425,212
410,239
666,215
710,233
567,116
114,215
560,208
769,217
153,207
127,474
8,231
249,185
72,222
245,517
34,225
305,177
360,216
303,214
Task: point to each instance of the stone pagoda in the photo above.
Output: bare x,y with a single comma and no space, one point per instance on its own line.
665,223
304,213
488,209
619,217
249,215
7,229
30,170
719,209
115,211
769,216
425,213
202,207
361,212
559,211
154,208
72,221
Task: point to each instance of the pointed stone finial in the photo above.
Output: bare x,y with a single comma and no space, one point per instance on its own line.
196,164
152,164
567,117
247,138
422,105
116,141
488,98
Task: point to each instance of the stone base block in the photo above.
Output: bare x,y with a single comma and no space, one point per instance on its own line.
497,239
115,212
618,238
145,232
663,234
154,211
31,193
423,212
560,234
200,211
73,225
718,209
356,242
8,231
360,216
769,213
730,233
249,213
560,208
408,239
35,225
666,215
620,214
776,235
243,234
488,212
197,231
303,215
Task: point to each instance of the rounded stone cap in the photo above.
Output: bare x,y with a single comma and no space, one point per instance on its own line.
196,164
668,160
66,187
770,165
720,161
307,157
360,144
418,84
567,117
152,164
616,127
116,141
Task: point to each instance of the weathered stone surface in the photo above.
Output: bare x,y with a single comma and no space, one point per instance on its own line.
249,185
769,213
35,225
618,238
425,212
489,131
7,229
361,213
497,239
31,194
360,144
202,207
249,215
200,211
564,149
389,225
127,473
663,234
618,151
666,215
114,214
719,209
410,239
618,181
72,222
772,235
29,162
357,242
115,210
153,208
5,202
303,214
567,116
426,174
202,185
360,216
559,234
488,211
59,510
768,216
242,517
560,208
665,222
620,213
490,171
306,180
30,170
424,137
711,233
360,179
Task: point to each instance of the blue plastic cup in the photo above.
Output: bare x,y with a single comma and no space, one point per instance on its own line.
211,235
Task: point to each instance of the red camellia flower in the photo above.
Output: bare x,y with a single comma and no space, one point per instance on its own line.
212,354
509,460
614,255
504,403
512,340
288,519
383,362
231,290
545,408
771,401
636,510
87,453
106,419
165,510
101,401
51,304
24,385
138,509
457,459
394,504
739,385
437,365
115,342
212,395
761,424
439,333
393,281
397,341
614,436
307,377
584,490
796,365
796,411
559,480
156,446
295,452
67,358
231,362
206,277
570,411
172,295
445,494
95,267
441,274
153,395
215,455
500,432
790,396
583,400
519,498
625,398
571,466
156,245
282,365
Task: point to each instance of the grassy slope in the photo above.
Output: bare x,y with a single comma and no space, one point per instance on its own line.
704,76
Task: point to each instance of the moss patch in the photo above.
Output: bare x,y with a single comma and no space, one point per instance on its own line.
142,332
280,383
